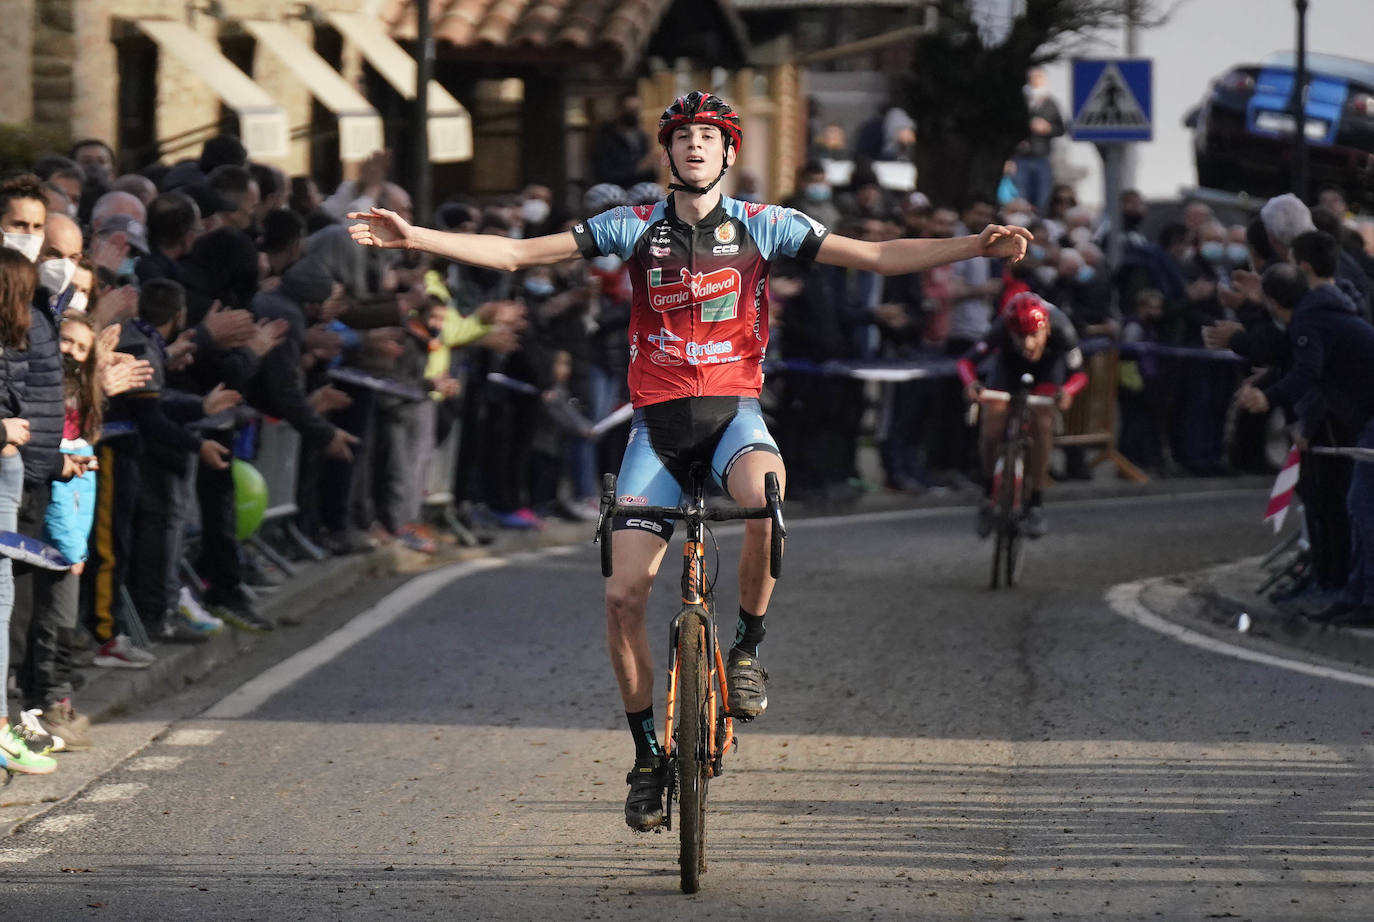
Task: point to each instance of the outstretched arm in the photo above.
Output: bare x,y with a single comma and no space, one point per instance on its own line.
899,257
388,230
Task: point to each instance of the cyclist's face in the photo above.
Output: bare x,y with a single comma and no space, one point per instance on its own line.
697,150
1033,346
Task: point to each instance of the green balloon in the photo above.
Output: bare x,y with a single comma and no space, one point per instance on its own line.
250,499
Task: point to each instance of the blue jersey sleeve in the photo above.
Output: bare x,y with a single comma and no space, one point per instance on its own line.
779,231
614,232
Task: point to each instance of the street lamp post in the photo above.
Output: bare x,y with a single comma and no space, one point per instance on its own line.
1300,105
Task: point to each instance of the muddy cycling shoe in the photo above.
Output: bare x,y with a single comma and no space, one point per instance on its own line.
1034,524
747,681
987,518
644,803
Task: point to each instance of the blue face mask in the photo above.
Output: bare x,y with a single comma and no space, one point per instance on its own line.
539,287
1085,274
1237,253
1036,252
1213,251
126,268
817,192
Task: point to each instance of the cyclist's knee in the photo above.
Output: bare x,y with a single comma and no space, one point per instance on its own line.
627,598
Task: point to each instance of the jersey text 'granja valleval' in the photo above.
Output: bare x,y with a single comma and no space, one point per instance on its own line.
699,319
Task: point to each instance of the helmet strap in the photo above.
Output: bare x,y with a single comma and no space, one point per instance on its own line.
681,184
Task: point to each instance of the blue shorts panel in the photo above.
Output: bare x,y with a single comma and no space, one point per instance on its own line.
665,440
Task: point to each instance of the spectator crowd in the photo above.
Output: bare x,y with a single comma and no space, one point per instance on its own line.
158,327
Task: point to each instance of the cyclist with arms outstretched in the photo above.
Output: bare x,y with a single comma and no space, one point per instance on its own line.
1036,338
699,264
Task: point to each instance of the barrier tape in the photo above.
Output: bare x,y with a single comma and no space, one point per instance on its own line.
1355,454
380,385
925,369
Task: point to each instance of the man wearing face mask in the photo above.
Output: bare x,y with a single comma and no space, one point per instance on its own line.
57,262
814,195
535,210
1033,175
97,161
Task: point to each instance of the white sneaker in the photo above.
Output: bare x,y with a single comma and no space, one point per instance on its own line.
121,653
189,607
37,735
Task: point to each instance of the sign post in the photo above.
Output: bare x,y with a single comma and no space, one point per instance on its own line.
1112,106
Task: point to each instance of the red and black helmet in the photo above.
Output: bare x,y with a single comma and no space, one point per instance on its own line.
1025,314
704,109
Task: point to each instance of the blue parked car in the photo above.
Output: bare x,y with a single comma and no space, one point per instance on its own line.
1243,130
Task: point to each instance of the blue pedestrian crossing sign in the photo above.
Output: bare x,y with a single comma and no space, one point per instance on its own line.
1111,100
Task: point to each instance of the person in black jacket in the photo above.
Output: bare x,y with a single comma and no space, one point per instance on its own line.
1333,365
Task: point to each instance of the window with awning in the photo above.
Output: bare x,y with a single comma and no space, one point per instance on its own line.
449,126
360,127
262,123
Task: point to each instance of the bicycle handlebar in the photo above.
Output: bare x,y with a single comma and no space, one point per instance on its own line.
708,514
1034,400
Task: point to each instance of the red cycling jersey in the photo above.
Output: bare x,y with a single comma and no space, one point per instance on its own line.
699,309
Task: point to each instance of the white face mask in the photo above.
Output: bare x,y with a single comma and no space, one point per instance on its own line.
534,210
56,274
27,244
78,301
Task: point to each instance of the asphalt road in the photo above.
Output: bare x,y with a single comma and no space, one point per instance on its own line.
932,749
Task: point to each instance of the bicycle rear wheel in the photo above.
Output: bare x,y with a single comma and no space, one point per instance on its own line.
693,761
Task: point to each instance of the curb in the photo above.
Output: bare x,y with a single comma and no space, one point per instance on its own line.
1210,602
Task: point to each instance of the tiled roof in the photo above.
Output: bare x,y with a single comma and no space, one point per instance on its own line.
536,29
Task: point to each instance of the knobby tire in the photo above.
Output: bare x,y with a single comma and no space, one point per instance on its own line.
693,761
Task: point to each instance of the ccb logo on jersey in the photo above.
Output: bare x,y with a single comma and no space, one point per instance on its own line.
716,292
725,233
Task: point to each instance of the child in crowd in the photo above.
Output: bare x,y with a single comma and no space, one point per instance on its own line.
67,527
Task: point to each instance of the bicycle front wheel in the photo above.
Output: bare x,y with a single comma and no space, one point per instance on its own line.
693,761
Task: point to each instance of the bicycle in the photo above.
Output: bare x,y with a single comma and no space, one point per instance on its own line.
1008,478
699,738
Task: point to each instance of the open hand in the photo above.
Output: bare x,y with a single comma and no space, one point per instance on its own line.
230,329
268,335
380,227
327,399
220,399
340,447
124,373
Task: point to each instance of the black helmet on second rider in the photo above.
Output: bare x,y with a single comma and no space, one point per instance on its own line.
702,109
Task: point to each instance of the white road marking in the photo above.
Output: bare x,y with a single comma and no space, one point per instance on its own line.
253,693
107,793
192,737
59,824
20,855
156,763
1125,601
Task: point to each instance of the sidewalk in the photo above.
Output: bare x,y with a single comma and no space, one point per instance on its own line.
129,695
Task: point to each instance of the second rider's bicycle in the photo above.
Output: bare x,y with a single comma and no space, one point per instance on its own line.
1008,479
698,728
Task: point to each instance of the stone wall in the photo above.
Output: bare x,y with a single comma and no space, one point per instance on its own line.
16,64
